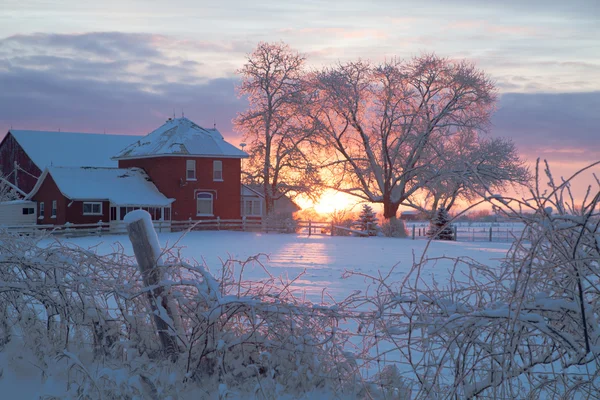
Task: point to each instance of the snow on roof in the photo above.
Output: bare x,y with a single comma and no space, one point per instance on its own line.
282,204
180,136
71,149
121,186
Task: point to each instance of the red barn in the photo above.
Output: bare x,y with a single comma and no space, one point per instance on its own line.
25,154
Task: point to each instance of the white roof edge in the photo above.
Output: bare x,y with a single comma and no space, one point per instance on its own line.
46,172
179,155
255,191
38,184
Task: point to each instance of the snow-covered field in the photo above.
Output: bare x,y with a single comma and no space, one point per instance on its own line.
323,258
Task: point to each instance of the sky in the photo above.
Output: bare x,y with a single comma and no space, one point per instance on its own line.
126,66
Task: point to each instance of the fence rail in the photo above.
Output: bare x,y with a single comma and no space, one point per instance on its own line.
415,230
479,232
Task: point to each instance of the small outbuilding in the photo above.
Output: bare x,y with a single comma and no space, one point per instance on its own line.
87,195
17,213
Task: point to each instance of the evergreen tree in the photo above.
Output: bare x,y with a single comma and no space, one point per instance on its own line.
439,227
367,220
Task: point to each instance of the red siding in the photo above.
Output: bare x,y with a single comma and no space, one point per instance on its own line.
11,151
48,192
168,174
67,210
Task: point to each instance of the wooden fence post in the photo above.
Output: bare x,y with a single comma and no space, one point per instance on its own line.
309,227
331,227
490,233
147,258
244,223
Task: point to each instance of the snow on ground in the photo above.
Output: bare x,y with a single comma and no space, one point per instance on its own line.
324,258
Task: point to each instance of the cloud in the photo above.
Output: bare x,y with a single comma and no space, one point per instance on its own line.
131,83
564,127
114,82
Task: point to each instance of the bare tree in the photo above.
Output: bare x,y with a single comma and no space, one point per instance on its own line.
8,191
472,164
275,127
384,122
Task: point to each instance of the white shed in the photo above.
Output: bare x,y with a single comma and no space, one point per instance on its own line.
18,212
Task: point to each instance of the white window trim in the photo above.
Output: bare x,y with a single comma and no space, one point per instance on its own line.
212,204
92,203
215,170
253,214
187,169
54,210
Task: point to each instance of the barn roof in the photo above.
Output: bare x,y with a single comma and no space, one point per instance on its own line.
181,137
71,149
121,186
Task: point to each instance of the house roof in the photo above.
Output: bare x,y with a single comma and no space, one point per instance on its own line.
181,137
282,204
71,149
121,186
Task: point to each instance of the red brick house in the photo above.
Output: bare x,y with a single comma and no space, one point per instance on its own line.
193,165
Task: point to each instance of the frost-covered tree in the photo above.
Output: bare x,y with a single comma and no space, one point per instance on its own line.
439,227
383,123
8,191
473,164
278,134
367,221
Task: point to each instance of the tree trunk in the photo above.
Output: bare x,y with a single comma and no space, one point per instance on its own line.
390,209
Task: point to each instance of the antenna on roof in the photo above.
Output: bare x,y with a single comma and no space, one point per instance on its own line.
214,124
182,115
173,112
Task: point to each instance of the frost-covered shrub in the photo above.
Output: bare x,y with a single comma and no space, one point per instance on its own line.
367,221
280,222
528,328
439,226
342,218
394,227
84,321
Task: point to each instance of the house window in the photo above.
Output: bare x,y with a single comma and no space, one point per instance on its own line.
190,170
251,208
53,215
204,204
41,210
92,208
28,210
217,170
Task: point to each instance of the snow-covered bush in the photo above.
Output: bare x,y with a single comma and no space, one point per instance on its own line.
528,328
367,221
342,218
439,226
82,321
394,227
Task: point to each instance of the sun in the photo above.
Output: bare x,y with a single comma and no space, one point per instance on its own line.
329,202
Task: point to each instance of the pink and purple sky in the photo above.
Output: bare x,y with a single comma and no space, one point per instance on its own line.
124,66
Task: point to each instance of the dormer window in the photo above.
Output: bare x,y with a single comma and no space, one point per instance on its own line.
190,170
217,170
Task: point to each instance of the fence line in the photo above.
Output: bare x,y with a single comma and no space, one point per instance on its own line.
416,230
